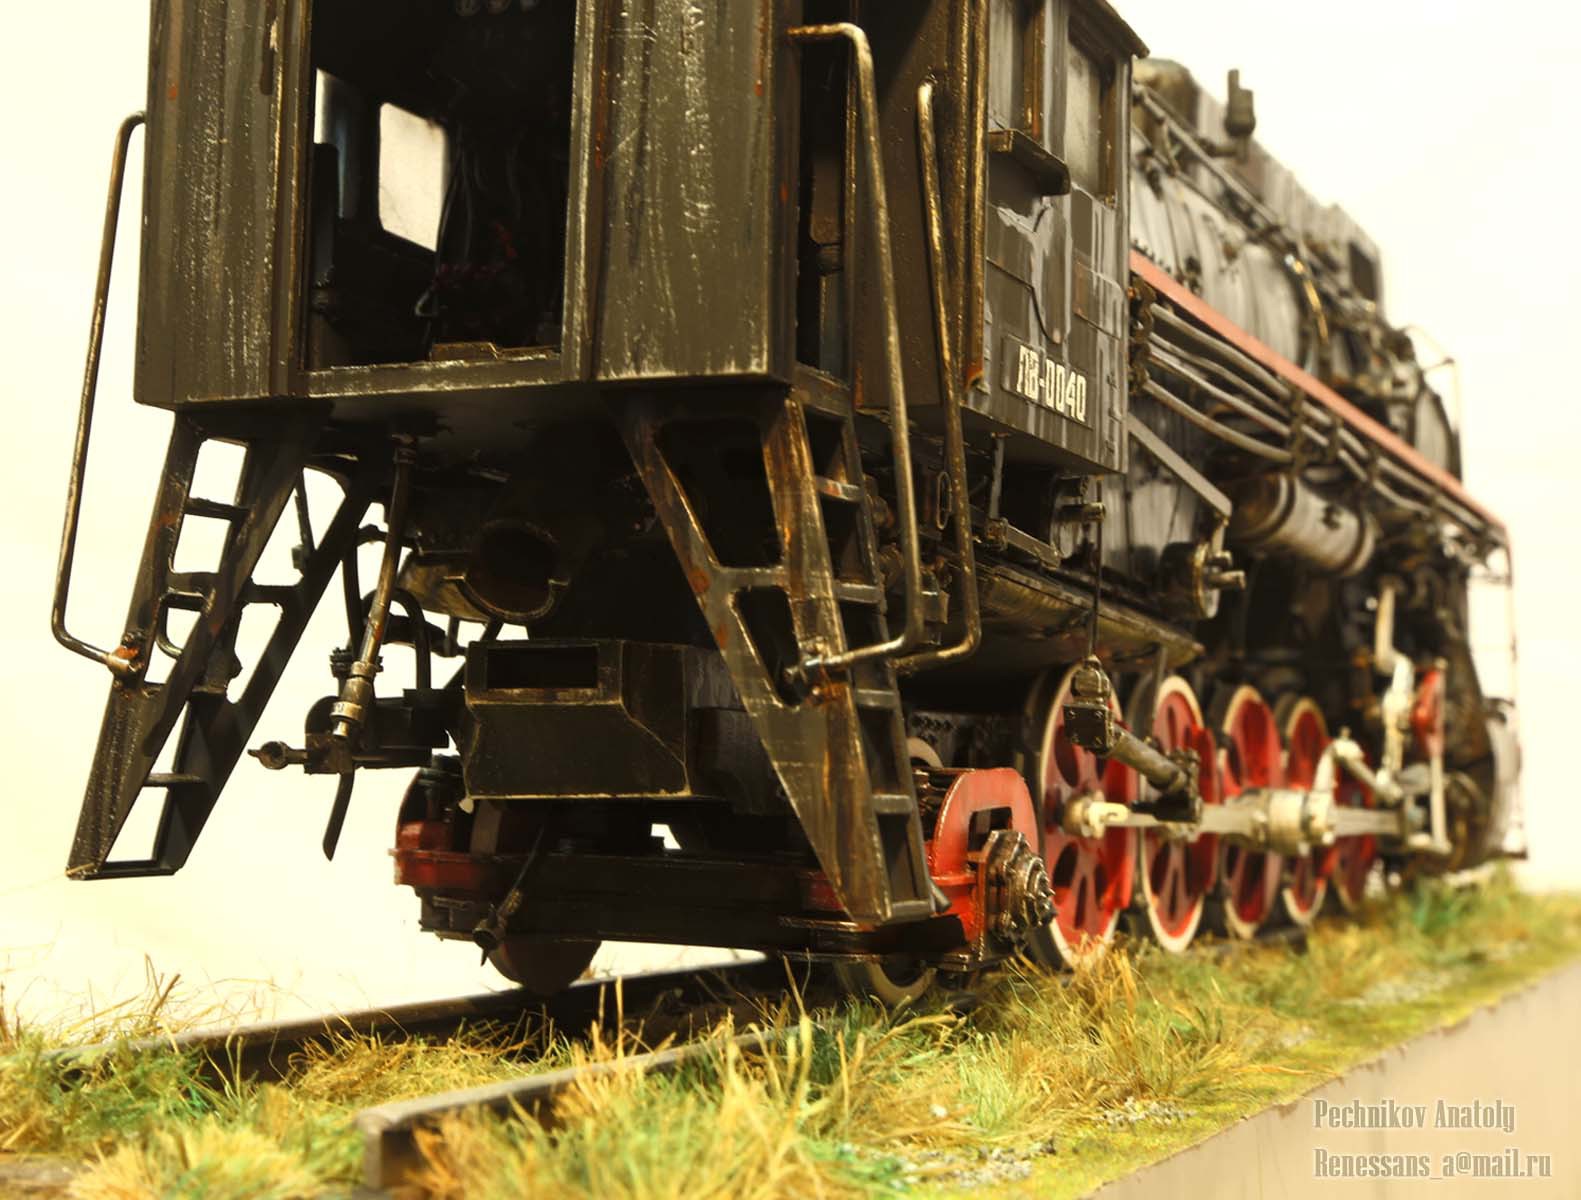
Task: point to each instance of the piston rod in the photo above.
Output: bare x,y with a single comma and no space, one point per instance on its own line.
1241,820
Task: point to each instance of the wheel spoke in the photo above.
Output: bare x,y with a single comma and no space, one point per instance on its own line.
1353,857
1174,886
1306,733
1086,901
1251,757
1178,894
1091,877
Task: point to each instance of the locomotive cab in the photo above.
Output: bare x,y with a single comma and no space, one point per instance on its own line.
437,203
576,172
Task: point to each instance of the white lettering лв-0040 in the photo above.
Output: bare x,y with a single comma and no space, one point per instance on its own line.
1050,383
1029,373
1075,397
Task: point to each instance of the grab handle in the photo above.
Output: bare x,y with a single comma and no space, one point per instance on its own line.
121,661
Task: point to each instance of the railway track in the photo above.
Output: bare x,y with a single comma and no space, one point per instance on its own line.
669,1006
389,1131
668,1002
673,1005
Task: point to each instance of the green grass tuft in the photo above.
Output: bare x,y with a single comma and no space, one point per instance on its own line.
1053,1085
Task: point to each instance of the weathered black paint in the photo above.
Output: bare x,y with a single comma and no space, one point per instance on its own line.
698,451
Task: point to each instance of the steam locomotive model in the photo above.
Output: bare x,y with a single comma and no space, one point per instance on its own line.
900,484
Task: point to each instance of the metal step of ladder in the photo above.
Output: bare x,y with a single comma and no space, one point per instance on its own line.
838,743
193,702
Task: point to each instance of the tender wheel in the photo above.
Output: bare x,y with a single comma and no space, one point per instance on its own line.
1091,878
1307,877
1249,756
892,982
542,967
1175,876
1354,857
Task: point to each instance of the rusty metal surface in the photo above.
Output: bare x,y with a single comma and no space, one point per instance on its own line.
1016,600
834,776
879,260
223,167
1054,367
265,1050
694,224
90,387
959,511
624,723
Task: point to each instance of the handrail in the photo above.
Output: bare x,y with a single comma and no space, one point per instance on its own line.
121,663
950,388
899,420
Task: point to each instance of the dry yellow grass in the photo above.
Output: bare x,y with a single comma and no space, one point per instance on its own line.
863,1101
212,1159
1071,1076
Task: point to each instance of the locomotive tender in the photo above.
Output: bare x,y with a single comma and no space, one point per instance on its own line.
926,459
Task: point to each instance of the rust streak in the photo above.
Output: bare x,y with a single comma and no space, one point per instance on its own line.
765,32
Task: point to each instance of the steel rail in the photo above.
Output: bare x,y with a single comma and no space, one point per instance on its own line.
265,1050
391,1156
390,1153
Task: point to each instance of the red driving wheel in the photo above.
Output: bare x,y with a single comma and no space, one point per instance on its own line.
998,791
1354,857
1249,757
1306,737
1176,875
1091,878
